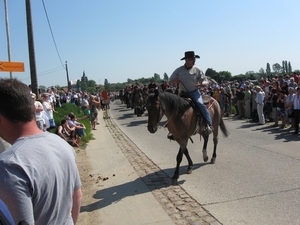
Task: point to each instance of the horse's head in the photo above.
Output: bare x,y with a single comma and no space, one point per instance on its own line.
155,111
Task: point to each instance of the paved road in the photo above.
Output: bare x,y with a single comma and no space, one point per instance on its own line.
256,176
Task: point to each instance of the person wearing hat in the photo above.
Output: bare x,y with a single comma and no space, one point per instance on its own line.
152,86
164,85
190,78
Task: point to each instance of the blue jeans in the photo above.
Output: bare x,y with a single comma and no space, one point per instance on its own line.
80,132
196,96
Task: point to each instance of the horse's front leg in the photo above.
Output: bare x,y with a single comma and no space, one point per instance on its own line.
178,161
190,167
214,156
204,150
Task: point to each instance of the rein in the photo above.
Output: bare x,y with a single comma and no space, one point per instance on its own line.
165,125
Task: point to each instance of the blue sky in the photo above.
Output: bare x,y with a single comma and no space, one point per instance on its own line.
118,39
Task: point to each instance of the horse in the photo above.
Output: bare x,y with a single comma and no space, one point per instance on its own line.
126,98
183,122
138,102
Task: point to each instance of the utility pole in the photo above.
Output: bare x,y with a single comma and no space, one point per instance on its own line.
69,84
33,74
7,34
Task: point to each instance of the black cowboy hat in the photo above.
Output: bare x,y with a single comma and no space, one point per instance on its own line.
190,54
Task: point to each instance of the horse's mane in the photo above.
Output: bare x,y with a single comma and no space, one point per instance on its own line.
174,102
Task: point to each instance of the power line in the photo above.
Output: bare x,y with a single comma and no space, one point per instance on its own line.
52,34
50,71
44,73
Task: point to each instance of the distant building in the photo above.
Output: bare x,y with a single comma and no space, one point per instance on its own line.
84,78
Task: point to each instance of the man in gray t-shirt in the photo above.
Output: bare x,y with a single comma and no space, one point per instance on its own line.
39,179
190,78
3,145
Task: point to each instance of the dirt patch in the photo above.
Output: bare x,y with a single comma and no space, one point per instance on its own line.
90,182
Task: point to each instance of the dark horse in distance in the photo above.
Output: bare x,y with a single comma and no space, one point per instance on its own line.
183,122
138,102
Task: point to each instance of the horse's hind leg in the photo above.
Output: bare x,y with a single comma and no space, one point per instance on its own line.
214,156
190,167
204,151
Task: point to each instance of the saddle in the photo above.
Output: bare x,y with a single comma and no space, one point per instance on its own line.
207,100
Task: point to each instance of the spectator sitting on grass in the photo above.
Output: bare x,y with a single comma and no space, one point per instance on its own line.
64,134
79,127
71,130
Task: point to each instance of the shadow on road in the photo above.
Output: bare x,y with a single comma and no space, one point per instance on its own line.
148,183
286,135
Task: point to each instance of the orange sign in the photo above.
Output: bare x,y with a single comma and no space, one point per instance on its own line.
11,66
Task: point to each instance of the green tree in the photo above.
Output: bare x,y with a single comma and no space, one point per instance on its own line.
156,78
166,77
91,90
142,80
92,83
83,85
283,68
42,87
106,85
224,75
129,81
289,67
249,74
57,87
268,69
211,73
276,68
261,72
78,85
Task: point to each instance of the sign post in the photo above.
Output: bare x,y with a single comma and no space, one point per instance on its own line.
12,67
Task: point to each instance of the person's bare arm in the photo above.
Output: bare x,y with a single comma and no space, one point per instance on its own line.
59,131
77,196
173,82
39,108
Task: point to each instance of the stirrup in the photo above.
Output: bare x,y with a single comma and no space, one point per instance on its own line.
208,129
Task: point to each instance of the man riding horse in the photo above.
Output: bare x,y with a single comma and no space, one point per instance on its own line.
135,88
190,78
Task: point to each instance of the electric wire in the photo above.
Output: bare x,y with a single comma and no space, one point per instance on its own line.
51,71
52,33
43,73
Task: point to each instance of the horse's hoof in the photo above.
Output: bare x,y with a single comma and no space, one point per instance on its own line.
213,161
189,171
174,182
205,158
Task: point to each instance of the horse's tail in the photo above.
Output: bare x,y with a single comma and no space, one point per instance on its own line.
223,128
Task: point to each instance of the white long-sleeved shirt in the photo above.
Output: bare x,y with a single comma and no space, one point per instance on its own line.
260,98
296,100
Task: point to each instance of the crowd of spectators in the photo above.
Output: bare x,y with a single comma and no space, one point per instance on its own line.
269,99
69,129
